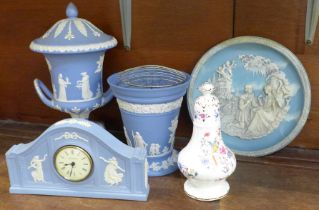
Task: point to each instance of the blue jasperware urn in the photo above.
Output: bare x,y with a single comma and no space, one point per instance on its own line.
74,50
149,98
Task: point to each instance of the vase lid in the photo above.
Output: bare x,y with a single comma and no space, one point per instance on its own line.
73,35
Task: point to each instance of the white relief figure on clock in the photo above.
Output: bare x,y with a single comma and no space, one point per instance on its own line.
63,84
111,174
84,85
36,164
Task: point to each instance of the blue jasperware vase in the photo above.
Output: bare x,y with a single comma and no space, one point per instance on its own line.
149,98
74,50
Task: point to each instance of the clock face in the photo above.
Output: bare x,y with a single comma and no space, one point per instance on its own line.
73,163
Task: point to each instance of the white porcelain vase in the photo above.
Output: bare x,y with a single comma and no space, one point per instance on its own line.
206,162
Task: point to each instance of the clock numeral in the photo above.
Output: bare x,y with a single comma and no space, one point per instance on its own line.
63,168
84,169
84,158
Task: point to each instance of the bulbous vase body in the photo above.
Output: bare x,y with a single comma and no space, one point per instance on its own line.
206,162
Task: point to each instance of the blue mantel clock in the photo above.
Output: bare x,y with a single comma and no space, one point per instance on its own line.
76,157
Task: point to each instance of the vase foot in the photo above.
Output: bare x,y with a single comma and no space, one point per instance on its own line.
206,191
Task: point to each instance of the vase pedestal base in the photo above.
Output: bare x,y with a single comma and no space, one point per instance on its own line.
163,165
205,190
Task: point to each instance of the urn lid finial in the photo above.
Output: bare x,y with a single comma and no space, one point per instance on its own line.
73,35
71,10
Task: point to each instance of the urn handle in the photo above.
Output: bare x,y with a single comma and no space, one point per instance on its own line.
106,97
44,93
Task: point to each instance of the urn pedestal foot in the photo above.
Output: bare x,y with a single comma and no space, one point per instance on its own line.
83,115
205,190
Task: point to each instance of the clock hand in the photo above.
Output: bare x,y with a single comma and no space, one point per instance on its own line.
71,171
72,164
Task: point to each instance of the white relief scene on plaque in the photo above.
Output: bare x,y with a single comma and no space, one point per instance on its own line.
113,173
255,109
37,169
84,86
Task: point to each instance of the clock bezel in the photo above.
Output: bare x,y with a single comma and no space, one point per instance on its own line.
78,148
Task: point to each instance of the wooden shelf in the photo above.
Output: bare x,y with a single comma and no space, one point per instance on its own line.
288,179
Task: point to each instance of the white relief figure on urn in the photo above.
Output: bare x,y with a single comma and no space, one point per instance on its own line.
99,64
36,164
98,90
63,84
54,91
111,174
206,162
84,85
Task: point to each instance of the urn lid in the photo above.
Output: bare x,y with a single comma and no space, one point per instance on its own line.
73,35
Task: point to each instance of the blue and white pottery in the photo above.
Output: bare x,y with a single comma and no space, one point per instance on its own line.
93,164
149,98
74,50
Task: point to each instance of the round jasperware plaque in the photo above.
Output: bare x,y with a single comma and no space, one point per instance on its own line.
263,89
